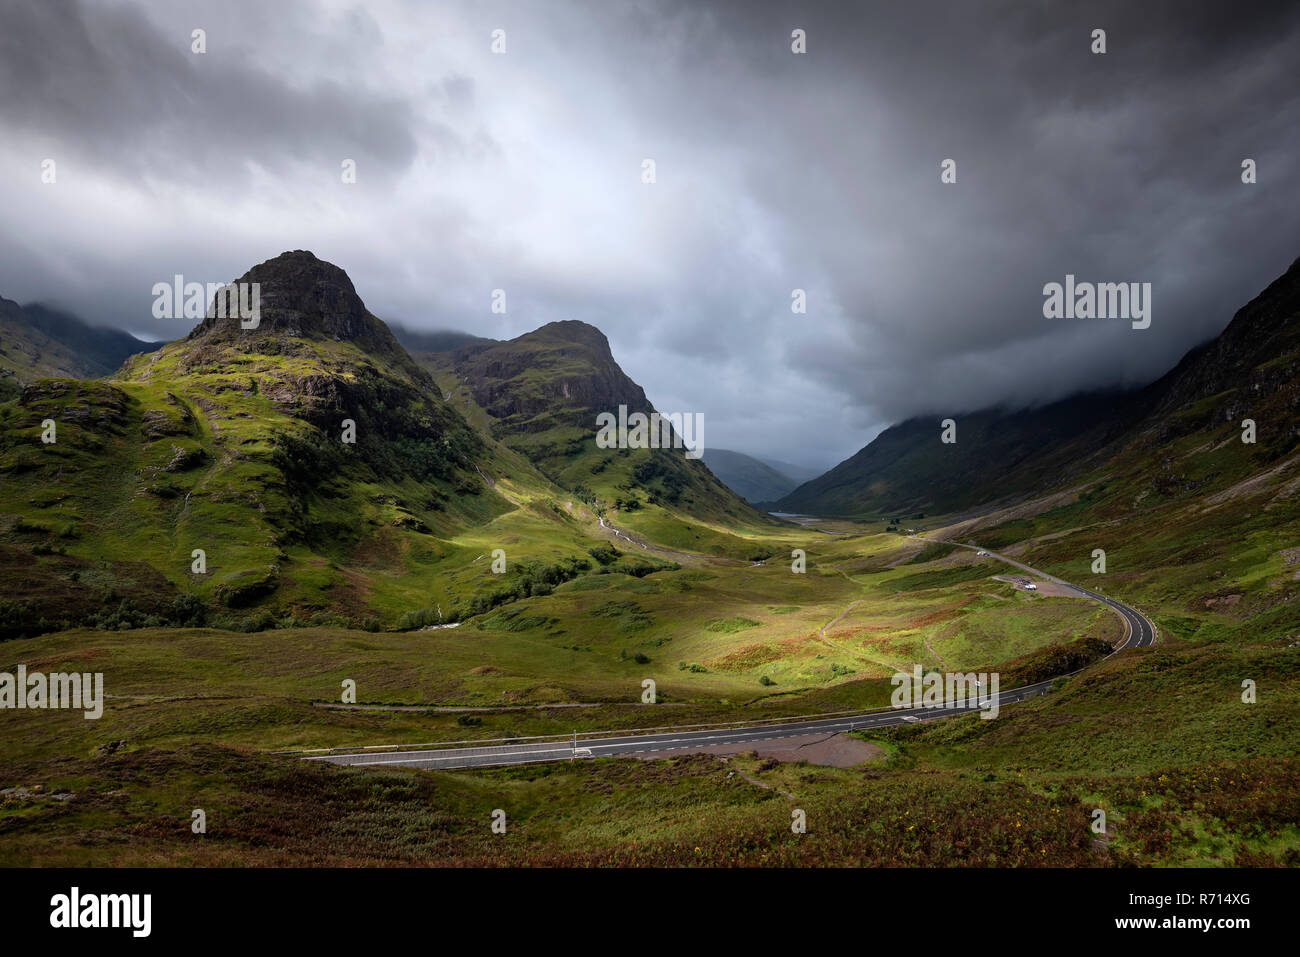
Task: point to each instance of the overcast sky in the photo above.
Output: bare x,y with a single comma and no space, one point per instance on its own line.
775,171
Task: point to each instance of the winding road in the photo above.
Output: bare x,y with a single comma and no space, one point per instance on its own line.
1141,632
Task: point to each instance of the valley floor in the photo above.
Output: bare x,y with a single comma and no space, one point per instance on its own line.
1158,738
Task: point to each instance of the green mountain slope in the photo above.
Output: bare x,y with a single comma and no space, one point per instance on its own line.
540,394
1249,371
26,353
38,342
233,442
999,457
101,349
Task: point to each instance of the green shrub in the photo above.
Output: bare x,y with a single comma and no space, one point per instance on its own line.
730,625
605,554
187,611
18,619
411,620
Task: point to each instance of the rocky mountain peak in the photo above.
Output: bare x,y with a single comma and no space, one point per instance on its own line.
577,332
301,295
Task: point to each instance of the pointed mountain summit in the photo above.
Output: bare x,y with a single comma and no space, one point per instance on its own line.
301,297
540,394
559,372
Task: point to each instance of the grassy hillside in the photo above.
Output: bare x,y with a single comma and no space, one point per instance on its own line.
39,342
101,349
232,442
27,354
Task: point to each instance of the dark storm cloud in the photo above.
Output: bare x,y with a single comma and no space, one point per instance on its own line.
775,171
1123,166
106,87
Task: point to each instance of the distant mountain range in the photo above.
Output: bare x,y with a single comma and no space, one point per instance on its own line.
799,473
754,480
1176,429
37,341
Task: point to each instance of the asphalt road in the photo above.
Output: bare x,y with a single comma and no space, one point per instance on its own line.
1140,633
